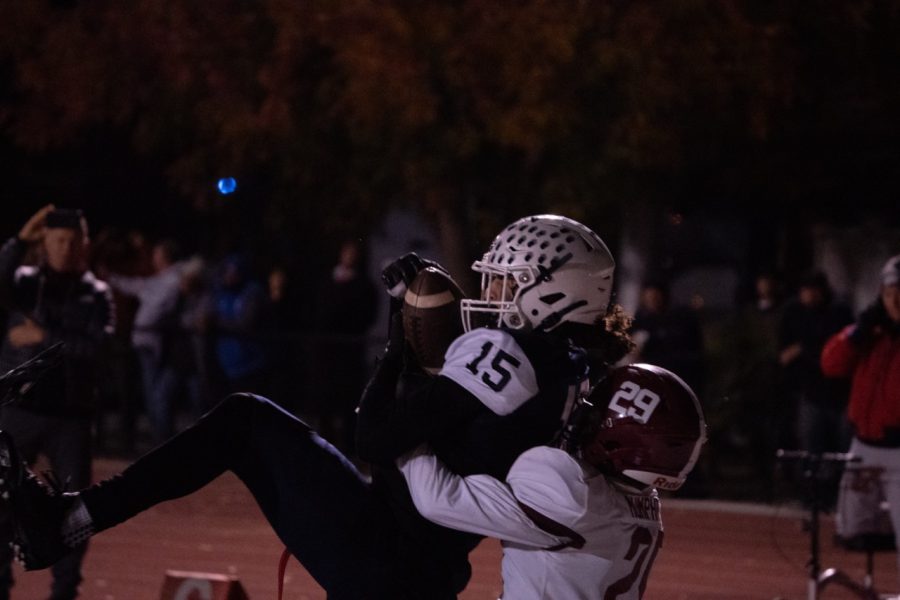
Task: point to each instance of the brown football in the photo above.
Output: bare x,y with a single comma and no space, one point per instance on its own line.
431,317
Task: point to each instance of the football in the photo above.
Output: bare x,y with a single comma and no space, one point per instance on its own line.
431,317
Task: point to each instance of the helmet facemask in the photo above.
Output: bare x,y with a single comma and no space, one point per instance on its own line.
500,291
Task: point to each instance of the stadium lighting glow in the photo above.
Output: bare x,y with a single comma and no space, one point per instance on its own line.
227,185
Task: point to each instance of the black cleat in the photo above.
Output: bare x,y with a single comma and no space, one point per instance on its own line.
37,510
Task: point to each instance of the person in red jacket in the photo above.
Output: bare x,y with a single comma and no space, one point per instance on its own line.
869,352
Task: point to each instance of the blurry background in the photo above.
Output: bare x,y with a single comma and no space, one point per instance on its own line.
706,141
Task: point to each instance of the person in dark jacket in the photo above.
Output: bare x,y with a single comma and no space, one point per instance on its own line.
57,300
807,322
668,335
345,309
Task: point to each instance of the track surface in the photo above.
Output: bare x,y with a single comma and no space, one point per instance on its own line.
713,551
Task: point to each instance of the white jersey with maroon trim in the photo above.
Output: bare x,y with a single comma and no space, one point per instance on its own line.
620,528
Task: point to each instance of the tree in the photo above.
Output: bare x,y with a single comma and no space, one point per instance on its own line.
477,112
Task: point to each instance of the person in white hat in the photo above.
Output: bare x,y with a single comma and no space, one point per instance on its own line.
869,352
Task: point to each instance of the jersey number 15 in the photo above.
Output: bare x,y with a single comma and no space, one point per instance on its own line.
497,375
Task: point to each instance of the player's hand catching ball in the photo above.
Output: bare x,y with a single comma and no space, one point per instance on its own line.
399,274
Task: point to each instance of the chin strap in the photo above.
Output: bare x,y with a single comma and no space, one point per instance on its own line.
567,440
575,415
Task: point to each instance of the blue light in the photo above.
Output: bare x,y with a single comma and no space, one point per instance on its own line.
227,185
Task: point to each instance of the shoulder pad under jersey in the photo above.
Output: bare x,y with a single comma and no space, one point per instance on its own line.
491,365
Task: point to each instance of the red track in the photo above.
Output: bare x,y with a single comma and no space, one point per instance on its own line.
710,553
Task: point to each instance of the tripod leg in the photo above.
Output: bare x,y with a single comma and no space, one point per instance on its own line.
840,578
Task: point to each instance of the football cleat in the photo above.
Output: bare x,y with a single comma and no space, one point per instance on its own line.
37,511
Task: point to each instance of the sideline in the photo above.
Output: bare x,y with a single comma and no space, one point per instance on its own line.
789,510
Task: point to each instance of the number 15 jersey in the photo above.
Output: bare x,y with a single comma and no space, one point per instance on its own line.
526,381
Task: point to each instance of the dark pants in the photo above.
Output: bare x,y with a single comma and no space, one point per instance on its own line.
66,442
315,500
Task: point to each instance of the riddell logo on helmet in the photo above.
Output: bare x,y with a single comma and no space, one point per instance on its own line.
662,482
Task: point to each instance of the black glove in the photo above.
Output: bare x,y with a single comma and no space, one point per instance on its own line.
869,320
399,274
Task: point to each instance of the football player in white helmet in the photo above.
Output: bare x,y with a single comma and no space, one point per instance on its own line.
503,389
543,330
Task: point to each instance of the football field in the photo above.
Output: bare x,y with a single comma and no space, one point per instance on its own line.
712,551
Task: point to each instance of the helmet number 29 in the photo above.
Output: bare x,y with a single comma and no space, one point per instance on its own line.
631,400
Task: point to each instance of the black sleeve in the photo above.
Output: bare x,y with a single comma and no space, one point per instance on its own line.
400,410
86,335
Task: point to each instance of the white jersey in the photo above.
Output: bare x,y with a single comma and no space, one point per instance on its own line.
621,528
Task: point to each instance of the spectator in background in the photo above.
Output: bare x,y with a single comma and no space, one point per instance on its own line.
344,312
58,300
767,288
817,403
281,331
113,251
668,336
154,332
869,352
754,380
235,317
193,354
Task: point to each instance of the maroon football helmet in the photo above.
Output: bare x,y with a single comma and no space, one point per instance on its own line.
651,430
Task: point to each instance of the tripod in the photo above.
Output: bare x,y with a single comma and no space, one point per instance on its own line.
817,579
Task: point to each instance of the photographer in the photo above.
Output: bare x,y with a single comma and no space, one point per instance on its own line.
869,352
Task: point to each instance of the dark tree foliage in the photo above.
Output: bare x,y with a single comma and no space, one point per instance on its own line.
474,111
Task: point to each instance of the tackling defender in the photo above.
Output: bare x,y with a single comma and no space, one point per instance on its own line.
583,522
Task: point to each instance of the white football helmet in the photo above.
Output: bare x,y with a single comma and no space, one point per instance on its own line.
540,272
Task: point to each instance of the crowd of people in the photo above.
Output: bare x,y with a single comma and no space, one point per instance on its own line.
150,335
190,330
151,332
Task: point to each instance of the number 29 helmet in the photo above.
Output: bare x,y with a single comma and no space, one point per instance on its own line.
646,424
539,272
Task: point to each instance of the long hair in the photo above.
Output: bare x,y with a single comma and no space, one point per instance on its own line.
608,340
